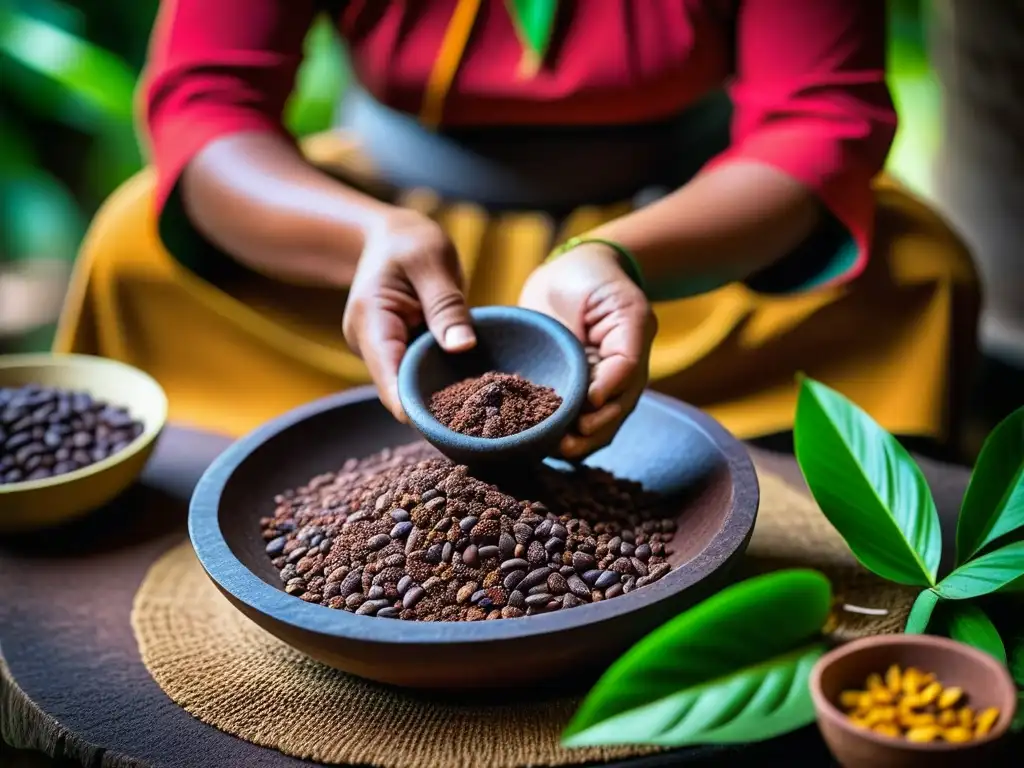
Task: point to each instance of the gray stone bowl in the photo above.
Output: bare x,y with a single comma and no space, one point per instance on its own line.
671,448
509,340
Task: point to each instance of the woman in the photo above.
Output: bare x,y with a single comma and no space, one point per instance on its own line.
486,135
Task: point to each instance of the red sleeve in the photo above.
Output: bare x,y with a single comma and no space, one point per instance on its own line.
218,67
810,98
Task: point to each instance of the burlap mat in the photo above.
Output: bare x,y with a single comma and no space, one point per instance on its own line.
229,673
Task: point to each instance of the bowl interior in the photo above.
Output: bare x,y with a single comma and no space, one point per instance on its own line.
984,681
509,340
670,448
108,380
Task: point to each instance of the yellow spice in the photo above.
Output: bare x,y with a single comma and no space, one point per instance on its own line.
957,735
913,705
923,734
875,682
876,716
909,703
985,720
947,718
911,681
894,679
888,729
851,699
930,693
950,697
917,721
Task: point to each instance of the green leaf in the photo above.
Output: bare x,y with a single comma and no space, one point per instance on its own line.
994,503
319,83
1018,719
868,487
1016,660
921,612
732,669
534,21
967,623
1001,570
17,155
91,75
38,216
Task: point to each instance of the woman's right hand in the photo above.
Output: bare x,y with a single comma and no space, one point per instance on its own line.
408,274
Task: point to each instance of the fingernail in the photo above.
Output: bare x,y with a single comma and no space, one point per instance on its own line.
459,337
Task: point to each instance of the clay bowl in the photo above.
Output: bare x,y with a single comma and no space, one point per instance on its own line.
670,447
984,680
509,340
41,503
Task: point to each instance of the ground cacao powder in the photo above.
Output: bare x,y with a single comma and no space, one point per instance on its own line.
493,405
407,534
46,432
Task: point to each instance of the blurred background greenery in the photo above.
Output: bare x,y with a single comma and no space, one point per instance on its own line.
67,134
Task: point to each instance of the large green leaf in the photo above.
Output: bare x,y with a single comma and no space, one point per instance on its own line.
732,669
994,503
921,612
1001,570
868,486
92,76
968,623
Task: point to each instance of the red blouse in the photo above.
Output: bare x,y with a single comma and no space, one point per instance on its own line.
807,77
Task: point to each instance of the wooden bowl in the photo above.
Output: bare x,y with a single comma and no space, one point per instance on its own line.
509,340
985,682
670,447
42,503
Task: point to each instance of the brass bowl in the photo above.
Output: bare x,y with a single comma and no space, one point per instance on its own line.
43,503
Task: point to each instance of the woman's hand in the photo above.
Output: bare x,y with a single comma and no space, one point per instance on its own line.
408,273
587,291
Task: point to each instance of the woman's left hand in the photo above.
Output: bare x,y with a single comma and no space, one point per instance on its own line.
587,290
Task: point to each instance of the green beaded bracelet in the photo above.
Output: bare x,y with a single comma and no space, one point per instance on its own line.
627,260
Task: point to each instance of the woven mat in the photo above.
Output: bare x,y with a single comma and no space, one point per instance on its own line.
226,671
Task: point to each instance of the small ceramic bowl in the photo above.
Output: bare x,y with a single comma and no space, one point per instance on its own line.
985,682
509,340
43,503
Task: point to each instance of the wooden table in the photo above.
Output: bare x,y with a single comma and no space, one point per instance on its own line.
70,665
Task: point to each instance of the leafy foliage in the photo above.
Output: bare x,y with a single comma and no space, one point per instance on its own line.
874,494
67,106
728,670
993,506
1000,570
968,623
868,486
921,612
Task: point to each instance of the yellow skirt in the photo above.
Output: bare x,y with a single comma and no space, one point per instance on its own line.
899,340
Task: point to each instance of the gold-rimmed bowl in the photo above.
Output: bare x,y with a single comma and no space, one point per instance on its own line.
35,504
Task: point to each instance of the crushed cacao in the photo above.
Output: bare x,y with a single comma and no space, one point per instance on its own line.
493,405
407,534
